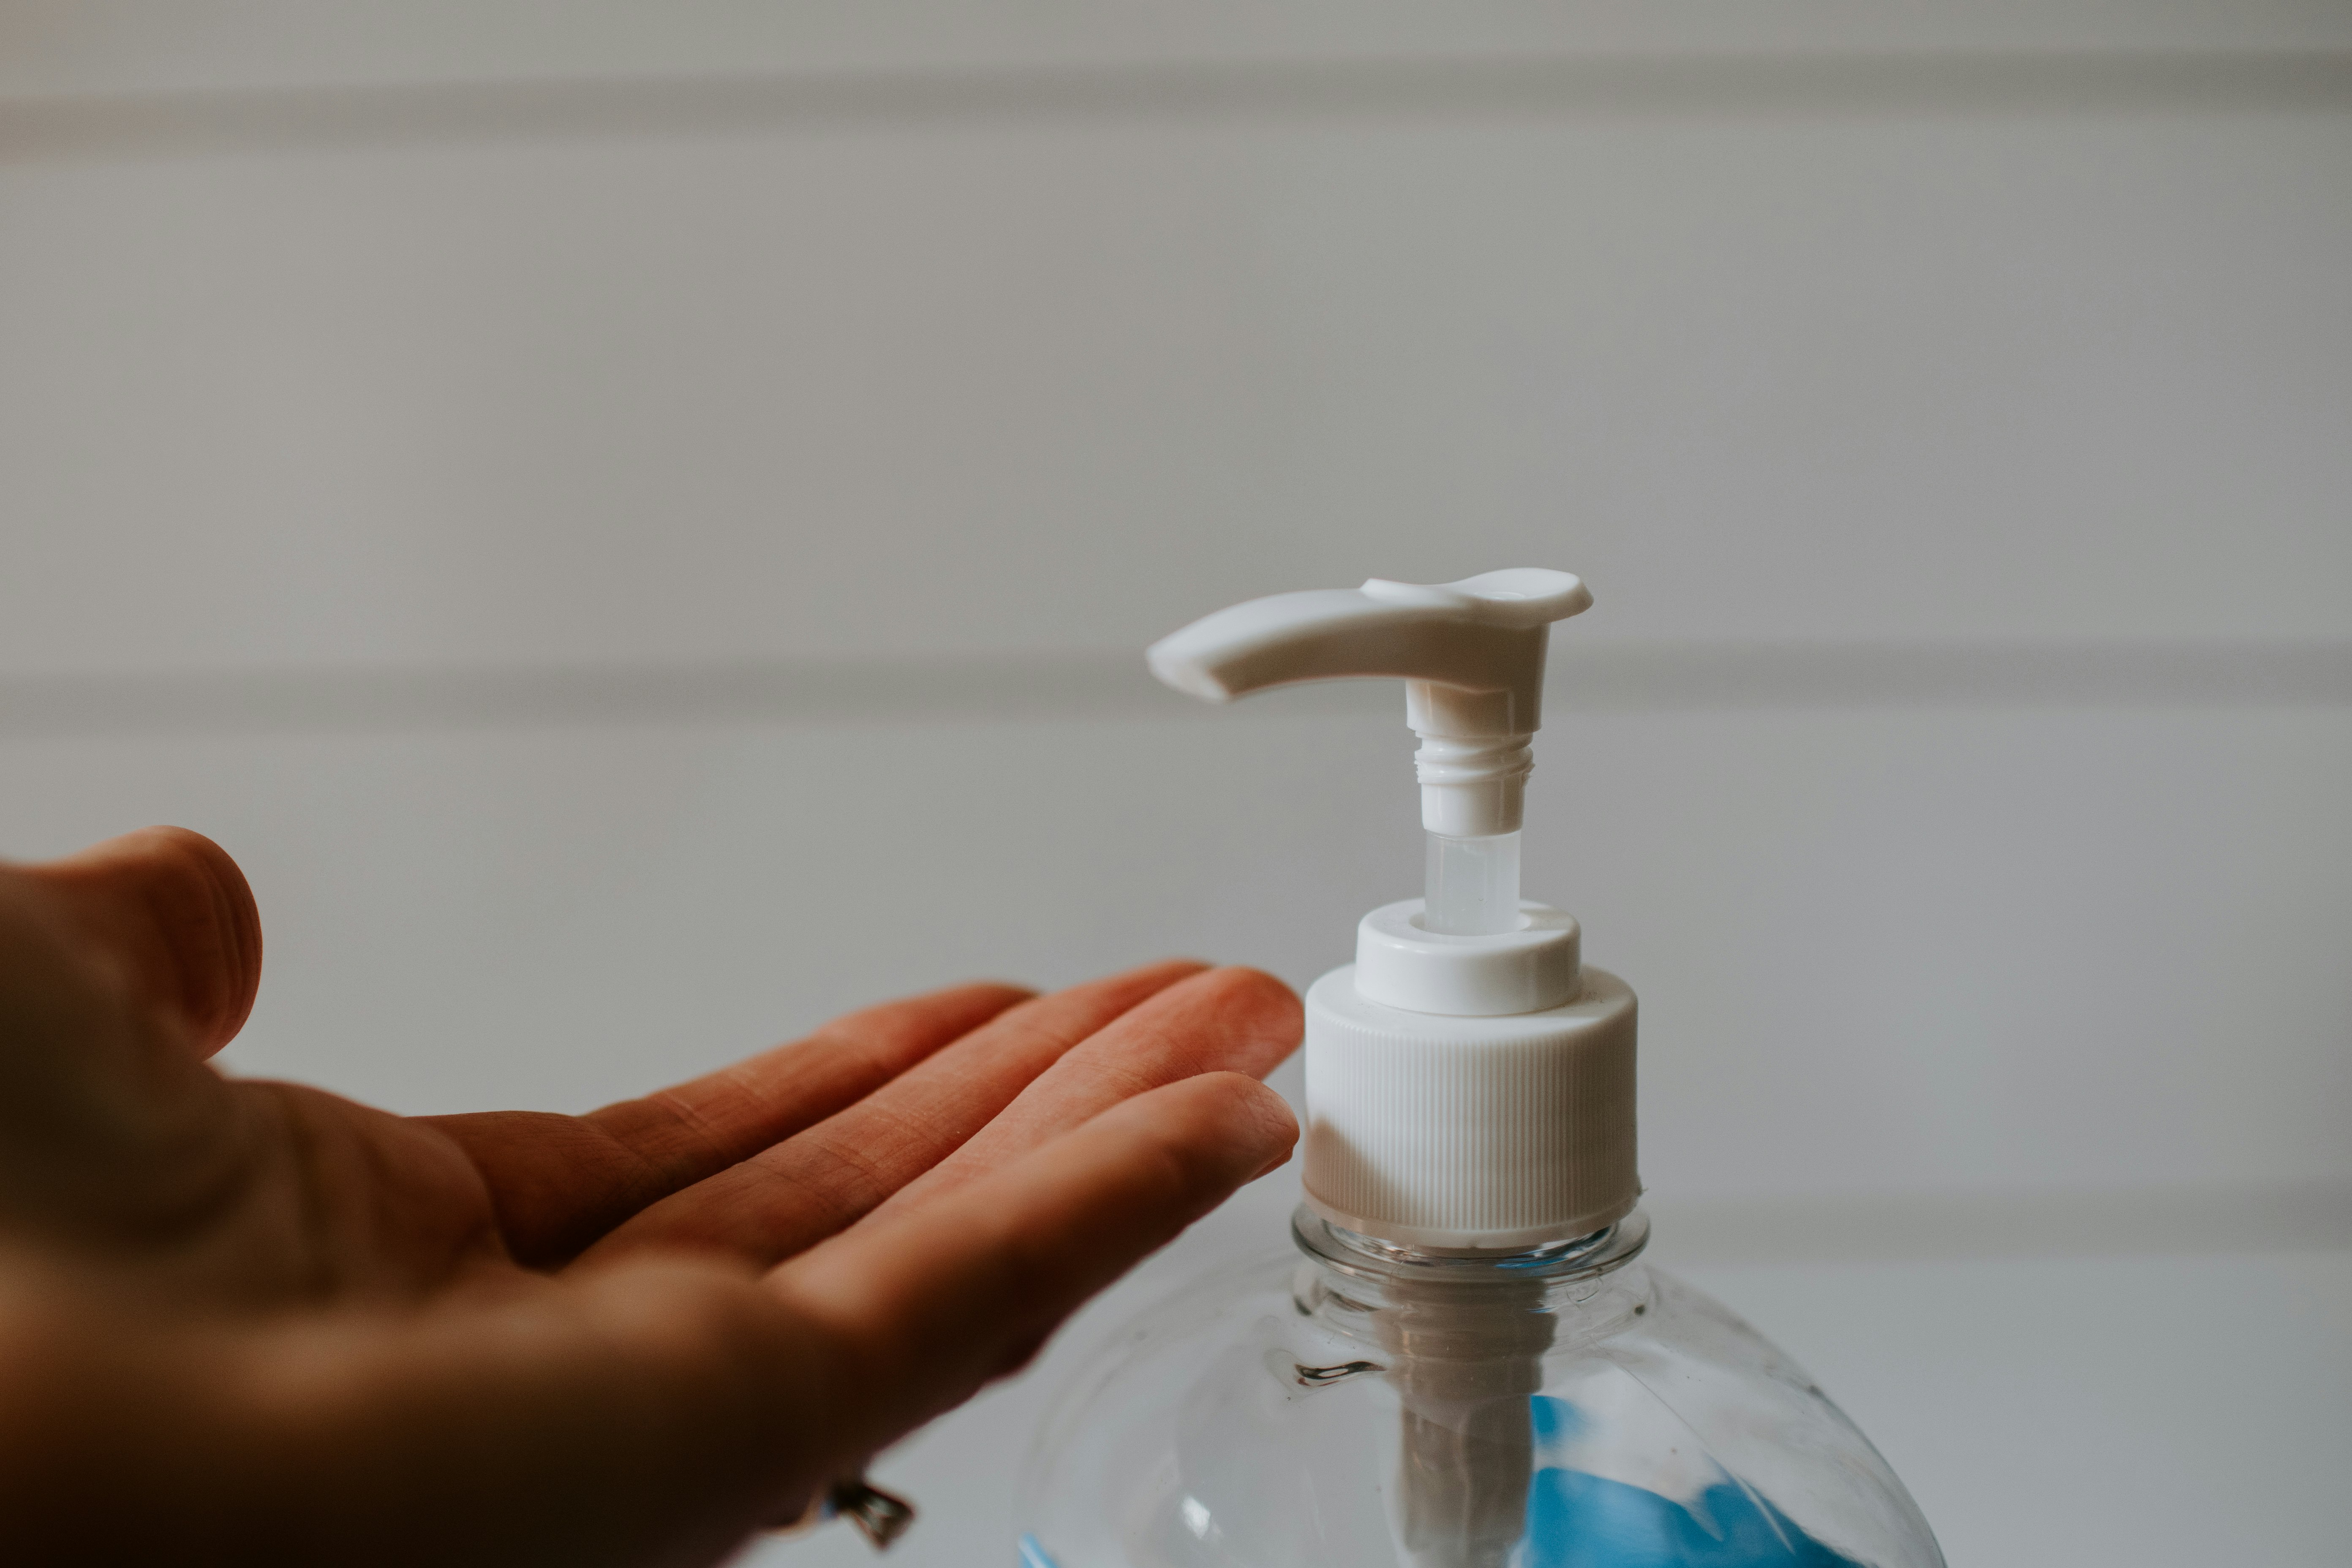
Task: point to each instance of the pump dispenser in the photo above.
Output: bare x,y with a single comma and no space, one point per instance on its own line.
1469,1083
1463,1363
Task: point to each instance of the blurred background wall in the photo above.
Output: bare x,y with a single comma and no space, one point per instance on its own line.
636,523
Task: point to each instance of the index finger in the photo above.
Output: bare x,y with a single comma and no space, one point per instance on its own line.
919,1309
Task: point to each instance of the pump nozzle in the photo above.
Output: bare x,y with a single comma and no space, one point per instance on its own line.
1472,656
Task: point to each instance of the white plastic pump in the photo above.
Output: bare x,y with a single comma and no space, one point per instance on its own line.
1469,1082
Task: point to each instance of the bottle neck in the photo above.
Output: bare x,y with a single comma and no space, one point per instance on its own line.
1563,1276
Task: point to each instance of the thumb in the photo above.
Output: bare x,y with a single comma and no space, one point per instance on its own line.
175,916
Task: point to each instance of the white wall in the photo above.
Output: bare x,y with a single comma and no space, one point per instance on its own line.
473,468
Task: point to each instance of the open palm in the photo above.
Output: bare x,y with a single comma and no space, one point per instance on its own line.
253,1323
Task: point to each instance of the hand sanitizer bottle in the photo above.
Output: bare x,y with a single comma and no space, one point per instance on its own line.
1463,1362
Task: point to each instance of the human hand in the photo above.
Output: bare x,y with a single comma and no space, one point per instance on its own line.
255,1322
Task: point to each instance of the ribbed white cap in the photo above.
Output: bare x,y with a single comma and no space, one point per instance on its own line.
1471,1128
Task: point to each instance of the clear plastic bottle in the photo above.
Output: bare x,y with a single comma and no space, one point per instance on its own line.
1358,1405
1470,1367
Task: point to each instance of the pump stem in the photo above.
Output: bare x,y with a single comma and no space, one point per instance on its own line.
1472,886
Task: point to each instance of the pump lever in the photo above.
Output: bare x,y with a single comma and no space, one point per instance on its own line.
1483,634
1471,653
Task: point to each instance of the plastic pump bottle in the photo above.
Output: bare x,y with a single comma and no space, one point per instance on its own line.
1463,1362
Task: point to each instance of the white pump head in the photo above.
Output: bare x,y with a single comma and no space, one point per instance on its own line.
1471,652
1469,1081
